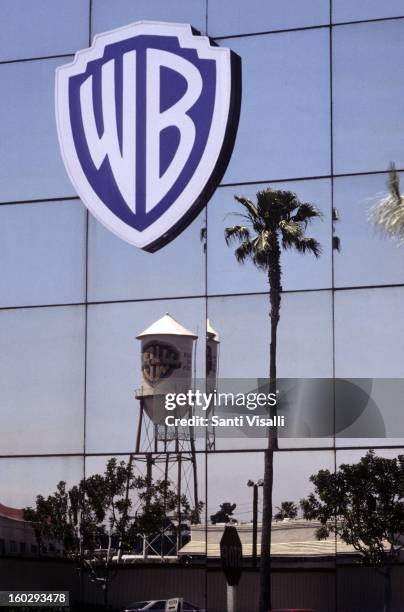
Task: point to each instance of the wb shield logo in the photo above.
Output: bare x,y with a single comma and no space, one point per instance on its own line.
146,121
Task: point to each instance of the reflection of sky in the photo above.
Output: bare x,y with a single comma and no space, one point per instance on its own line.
42,380
228,17
23,479
287,96
27,108
284,133
23,28
366,61
305,341
291,480
118,271
42,249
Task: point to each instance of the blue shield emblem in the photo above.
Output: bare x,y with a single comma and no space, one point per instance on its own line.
146,120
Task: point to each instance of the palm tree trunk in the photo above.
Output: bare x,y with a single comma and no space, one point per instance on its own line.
265,602
274,278
387,589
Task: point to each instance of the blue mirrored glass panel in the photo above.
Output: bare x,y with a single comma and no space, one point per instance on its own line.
345,10
292,482
226,275
351,577
355,455
369,333
42,249
375,415
366,257
22,479
42,381
227,18
304,335
37,29
31,166
368,96
159,470
114,365
284,129
120,271
106,16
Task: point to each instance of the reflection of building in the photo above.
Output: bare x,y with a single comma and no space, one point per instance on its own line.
16,535
292,540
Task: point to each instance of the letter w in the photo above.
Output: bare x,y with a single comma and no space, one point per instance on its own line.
122,162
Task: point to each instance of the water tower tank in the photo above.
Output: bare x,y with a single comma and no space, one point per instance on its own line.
166,363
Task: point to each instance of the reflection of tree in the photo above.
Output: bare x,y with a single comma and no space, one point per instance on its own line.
224,514
277,221
106,515
388,214
287,510
204,238
363,503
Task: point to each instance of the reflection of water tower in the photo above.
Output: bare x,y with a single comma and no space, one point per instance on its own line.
167,359
212,362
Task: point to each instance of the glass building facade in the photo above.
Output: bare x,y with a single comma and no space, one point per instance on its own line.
321,115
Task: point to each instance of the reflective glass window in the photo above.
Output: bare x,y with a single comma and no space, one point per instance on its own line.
374,414
114,365
31,166
292,538
369,333
366,257
161,467
42,381
22,479
36,29
304,335
226,275
106,16
367,96
348,581
42,249
118,270
284,129
226,18
345,10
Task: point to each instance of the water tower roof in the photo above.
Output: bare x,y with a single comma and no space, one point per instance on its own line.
211,332
166,326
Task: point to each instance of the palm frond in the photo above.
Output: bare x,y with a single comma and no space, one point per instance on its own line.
244,251
248,205
306,212
290,229
273,205
236,233
277,216
263,245
388,214
305,245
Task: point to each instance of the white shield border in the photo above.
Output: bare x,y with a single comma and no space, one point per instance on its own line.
160,230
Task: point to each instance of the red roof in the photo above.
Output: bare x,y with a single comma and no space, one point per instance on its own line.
13,513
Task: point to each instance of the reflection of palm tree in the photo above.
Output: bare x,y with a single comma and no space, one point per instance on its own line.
278,220
287,510
388,214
